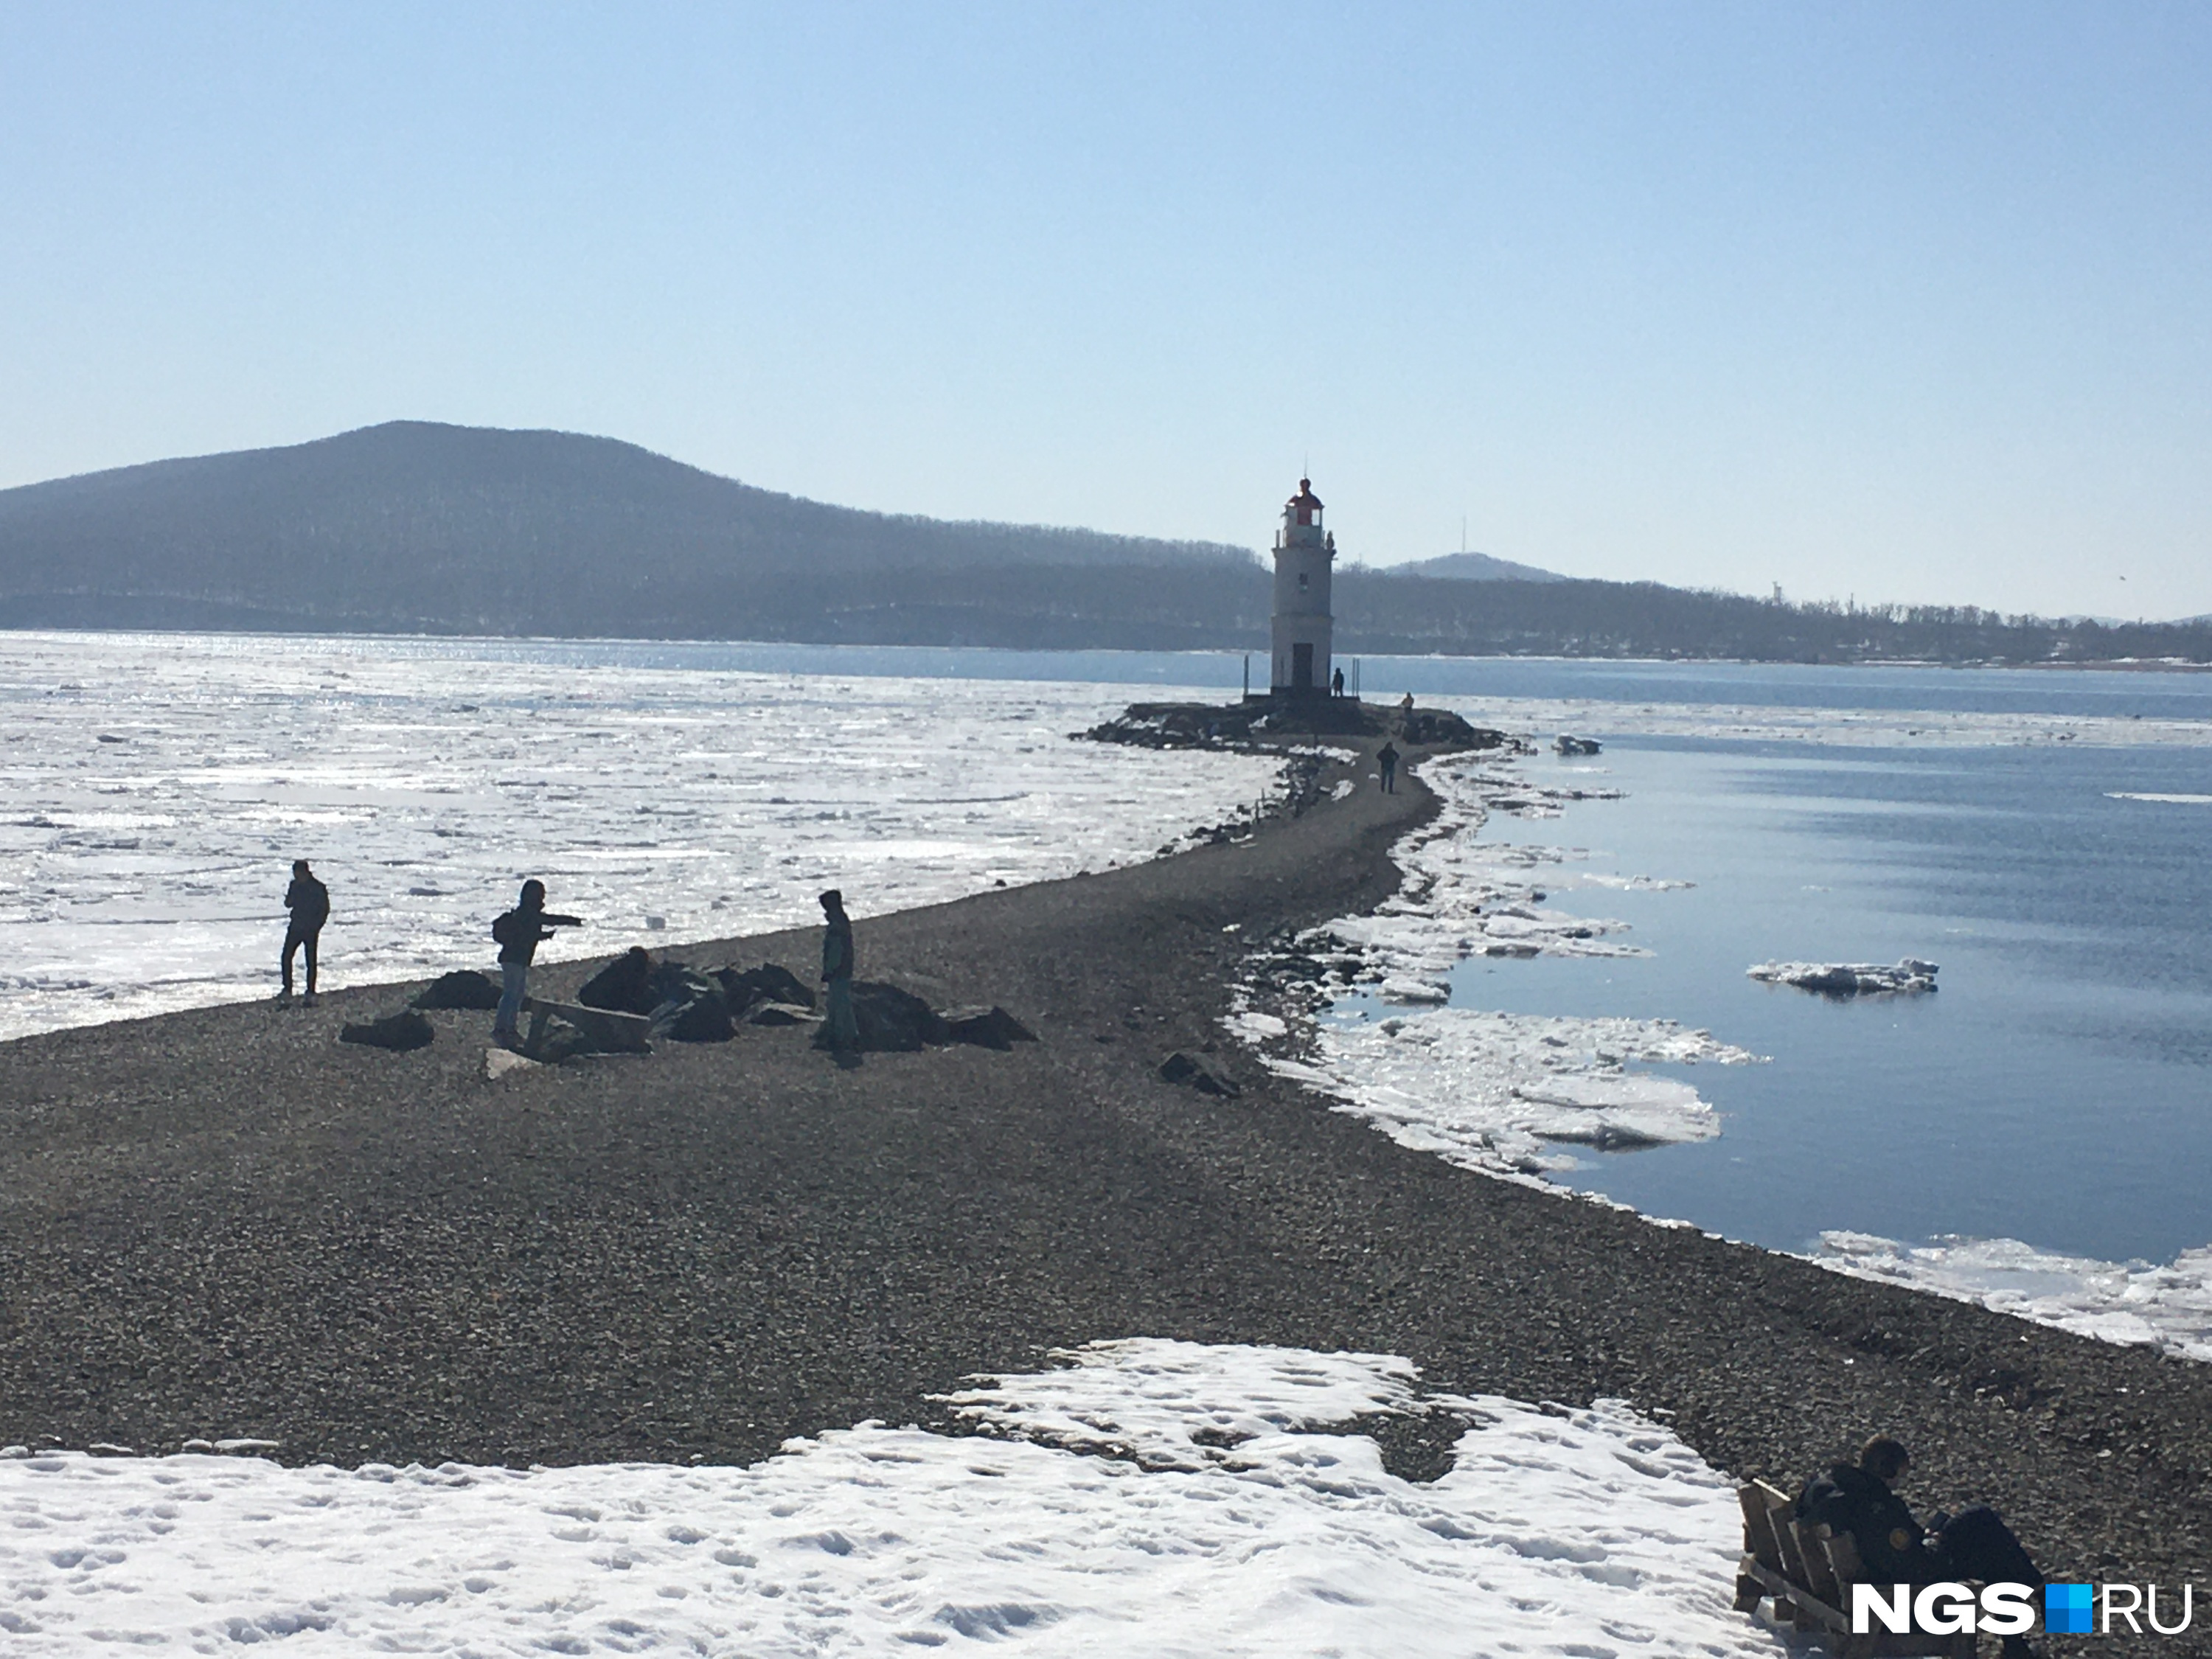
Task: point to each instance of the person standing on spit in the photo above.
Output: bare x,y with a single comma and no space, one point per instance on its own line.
1387,758
844,1032
1336,683
309,902
520,932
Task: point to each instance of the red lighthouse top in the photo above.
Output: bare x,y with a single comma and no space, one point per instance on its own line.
1304,508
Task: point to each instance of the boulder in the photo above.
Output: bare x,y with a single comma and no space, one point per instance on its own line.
780,1013
766,983
403,1031
987,1028
465,988
1185,1071
891,1021
672,982
703,1018
624,985
505,1062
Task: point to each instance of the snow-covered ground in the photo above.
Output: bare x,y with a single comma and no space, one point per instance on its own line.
1154,1498
159,786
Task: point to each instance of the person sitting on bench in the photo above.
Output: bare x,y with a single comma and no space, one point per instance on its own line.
1895,1549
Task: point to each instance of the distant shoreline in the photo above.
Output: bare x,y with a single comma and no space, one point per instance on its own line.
1258,648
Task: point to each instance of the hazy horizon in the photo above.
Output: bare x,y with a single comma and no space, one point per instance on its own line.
1888,304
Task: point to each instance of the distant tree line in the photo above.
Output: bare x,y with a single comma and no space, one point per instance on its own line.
1379,613
415,528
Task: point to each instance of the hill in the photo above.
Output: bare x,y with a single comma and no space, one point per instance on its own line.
415,527
1471,567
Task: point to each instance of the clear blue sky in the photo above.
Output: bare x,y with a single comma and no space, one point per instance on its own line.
1906,301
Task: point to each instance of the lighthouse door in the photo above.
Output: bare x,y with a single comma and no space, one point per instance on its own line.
1302,666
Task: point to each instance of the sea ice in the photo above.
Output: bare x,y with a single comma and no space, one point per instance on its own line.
1488,1090
425,778
1850,979
1152,1497
1493,1091
2167,1307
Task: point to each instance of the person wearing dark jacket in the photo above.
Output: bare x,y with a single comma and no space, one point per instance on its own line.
838,975
1387,758
1895,1549
308,903
520,932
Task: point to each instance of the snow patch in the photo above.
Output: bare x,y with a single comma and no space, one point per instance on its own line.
1230,1516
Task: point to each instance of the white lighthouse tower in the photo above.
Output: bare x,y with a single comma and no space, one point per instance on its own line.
1303,554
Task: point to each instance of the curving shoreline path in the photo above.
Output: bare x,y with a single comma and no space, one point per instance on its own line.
222,1223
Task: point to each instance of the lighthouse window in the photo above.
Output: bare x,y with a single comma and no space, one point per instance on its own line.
1301,581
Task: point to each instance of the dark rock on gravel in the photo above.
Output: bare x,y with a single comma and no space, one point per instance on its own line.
625,985
766,983
465,988
704,1019
780,1013
1180,1069
893,1021
404,1030
986,1027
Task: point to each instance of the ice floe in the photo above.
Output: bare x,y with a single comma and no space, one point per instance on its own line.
2168,1307
1498,1091
2152,795
1152,1497
1850,979
424,778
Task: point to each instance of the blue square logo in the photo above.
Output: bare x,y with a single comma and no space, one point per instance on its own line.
2066,1608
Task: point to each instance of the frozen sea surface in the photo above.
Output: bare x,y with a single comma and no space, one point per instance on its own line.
159,786
1237,1510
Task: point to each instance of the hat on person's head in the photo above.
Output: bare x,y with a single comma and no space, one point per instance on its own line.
833,900
299,866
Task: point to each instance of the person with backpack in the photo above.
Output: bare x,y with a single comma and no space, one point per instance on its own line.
308,903
519,931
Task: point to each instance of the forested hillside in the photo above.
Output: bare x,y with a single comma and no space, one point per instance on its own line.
416,527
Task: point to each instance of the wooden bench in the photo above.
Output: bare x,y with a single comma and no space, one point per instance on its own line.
610,1032
1809,1572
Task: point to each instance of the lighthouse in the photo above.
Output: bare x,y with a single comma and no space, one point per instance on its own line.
1303,554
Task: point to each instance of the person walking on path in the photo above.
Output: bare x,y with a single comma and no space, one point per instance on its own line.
844,1031
1387,758
1895,1549
309,902
520,932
